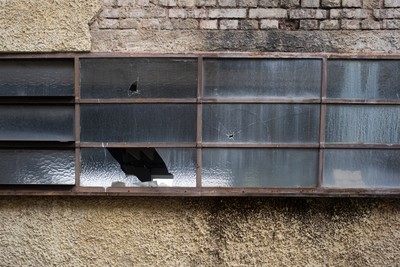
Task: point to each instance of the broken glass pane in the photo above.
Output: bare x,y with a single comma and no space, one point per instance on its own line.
139,78
235,167
364,79
241,78
138,123
33,77
119,167
36,123
264,123
363,124
37,166
362,168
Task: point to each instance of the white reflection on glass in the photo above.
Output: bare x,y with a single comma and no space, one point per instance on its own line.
246,167
361,168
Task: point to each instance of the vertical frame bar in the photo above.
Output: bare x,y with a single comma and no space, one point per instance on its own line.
77,121
322,120
199,137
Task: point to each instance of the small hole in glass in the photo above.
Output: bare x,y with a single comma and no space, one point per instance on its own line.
133,88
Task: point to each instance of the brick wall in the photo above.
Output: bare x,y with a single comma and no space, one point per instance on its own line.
263,15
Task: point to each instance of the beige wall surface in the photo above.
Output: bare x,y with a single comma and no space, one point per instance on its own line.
101,231
46,25
133,231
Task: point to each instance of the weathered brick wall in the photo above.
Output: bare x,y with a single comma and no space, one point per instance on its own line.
289,15
247,25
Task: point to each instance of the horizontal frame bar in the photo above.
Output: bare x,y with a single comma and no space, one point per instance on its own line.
197,192
225,54
137,100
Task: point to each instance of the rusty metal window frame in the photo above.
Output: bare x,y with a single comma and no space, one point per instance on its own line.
318,191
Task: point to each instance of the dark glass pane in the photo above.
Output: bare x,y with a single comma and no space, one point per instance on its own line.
362,124
268,123
138,123
139,78
34,77
362,168
102,167
364,79
241,78
36,123
235,167
31,166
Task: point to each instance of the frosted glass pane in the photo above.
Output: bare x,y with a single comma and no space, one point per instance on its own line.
101,168
260,167
139,78
243,78
34,166
363,124
269,123
362,168
138,123
364,79
34,77
36,123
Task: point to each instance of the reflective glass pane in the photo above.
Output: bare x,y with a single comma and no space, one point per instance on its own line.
364,79
139,78
34,77
363,124
241,78
138,123
235,167
268,123
36,123
37,166
108,167
362,168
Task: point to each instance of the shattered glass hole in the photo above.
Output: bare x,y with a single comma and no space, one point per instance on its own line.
133,89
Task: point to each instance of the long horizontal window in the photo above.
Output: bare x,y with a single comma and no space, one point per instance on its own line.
272,124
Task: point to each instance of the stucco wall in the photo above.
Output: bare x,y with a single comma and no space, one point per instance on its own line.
102,231
198,232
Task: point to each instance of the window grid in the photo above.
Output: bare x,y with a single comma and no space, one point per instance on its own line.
199,101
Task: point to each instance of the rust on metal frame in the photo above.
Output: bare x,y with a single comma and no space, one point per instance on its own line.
259,145
132,144
361,146
362,101
77,118
322,121
199,122
195,191
138,100
261,100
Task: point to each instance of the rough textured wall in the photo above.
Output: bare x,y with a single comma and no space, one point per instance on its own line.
46,25
199,232
248,25
50,231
